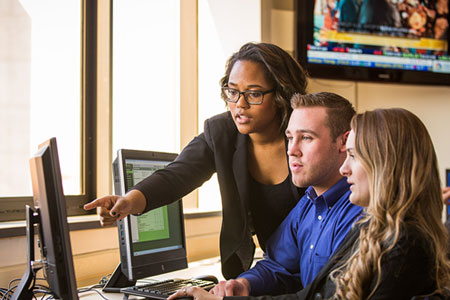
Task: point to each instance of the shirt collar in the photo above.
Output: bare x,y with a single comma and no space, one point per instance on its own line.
333,194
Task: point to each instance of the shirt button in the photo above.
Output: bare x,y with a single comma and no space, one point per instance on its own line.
312,246
319,217
329,207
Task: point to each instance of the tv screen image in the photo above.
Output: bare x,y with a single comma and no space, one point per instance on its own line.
379,40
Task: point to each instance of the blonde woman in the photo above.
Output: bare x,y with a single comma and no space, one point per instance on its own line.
398,249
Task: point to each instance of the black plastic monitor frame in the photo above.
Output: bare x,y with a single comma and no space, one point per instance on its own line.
132,268
304,28
50,216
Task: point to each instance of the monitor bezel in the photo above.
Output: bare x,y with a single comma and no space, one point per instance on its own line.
304,27
49,202
138,267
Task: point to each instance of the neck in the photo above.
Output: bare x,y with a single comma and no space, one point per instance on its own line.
257,139
321,189
268,136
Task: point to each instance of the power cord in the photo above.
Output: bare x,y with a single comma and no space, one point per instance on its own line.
43,292
91,289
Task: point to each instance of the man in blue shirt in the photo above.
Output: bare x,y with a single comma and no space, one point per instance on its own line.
313,230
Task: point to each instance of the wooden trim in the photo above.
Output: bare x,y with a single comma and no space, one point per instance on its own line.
104,98
188,81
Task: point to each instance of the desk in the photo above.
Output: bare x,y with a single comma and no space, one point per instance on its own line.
197,268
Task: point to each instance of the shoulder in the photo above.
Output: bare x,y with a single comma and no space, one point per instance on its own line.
223,121
412,240
220,130
346,208
300,211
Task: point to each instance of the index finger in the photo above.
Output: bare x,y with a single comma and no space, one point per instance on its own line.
100,202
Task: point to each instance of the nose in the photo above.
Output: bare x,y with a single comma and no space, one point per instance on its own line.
241,101
344,169
293,149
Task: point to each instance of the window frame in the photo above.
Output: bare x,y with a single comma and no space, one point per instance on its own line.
13,208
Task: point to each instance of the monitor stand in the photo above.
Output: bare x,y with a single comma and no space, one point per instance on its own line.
117,281
24,290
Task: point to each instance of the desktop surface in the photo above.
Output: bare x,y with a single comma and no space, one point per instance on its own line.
197,268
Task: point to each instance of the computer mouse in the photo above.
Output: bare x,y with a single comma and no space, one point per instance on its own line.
207,278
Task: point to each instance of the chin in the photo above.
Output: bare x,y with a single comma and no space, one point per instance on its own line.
354,199
243,130
299,183
358,201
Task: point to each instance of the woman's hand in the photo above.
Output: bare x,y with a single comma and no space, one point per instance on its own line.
113,208
196,292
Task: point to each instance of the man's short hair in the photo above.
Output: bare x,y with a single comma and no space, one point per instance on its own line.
339,110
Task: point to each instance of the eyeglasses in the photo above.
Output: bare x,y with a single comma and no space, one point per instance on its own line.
252,97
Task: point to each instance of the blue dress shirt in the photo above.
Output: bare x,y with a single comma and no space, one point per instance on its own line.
304,241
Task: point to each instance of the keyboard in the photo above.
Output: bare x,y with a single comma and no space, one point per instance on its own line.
161,290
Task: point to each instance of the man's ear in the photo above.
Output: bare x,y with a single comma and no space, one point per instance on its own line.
342,140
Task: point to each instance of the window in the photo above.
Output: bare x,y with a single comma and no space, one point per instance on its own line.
146,75
219,37
40,98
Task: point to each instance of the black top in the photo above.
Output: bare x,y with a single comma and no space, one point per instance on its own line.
269,205
221,149
407,271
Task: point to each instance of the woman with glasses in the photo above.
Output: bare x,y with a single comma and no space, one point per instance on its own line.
398,249
245,146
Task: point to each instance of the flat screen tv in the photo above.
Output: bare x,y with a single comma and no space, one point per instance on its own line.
49,216
393,41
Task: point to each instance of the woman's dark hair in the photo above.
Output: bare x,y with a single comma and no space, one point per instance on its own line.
286,74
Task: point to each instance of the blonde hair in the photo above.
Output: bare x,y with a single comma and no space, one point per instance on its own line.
397,153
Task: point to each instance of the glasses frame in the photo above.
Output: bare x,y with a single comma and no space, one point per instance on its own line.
245,93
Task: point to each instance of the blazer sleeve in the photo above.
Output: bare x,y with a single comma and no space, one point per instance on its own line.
195,164
191,169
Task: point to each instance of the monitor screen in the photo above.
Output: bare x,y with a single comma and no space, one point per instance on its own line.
375,40
51,217
152,243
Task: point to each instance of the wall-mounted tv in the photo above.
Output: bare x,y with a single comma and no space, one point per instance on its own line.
398,41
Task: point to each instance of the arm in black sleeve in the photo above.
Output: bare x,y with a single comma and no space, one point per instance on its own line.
191,169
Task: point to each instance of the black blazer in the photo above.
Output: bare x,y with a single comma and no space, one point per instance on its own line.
219,149
406,269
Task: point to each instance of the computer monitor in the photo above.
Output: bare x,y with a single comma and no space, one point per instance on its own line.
50,216
152,243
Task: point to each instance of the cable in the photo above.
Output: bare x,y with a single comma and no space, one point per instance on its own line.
104,279
47,294
91,289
